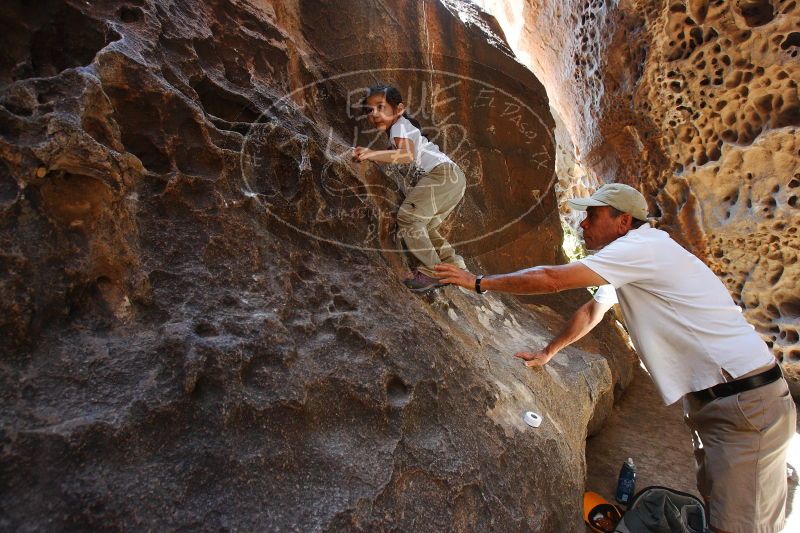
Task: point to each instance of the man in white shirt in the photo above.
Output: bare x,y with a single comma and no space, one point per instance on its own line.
693,340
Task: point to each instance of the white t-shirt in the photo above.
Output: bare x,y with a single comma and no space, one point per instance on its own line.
681,318
426,154
606,295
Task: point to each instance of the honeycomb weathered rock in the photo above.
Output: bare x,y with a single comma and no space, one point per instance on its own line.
696,102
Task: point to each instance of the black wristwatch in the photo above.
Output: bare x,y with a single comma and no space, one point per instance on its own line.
478,284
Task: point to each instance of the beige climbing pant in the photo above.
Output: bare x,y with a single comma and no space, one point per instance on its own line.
426,206
741,442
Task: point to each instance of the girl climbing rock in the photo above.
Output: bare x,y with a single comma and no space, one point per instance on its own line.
433,198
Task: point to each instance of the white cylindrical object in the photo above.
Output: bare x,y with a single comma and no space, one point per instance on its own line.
532,419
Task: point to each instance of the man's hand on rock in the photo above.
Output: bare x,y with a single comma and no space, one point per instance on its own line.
453,275
539,358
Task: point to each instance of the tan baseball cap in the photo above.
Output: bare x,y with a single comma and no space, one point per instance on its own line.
618,195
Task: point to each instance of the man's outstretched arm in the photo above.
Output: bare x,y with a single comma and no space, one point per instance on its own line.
534,280
580,323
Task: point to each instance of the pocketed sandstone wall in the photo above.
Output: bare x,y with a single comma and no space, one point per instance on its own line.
696,103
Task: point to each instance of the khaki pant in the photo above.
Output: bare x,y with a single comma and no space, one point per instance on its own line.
424,209
740,446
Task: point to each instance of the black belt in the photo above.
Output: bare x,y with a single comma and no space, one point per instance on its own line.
739,385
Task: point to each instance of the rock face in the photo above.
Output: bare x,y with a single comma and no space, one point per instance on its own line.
201,316
696,102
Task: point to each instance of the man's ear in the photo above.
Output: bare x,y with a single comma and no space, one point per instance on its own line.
625,222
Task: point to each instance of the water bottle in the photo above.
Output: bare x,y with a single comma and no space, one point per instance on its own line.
627,482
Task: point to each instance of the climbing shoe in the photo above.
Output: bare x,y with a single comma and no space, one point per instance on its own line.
422,283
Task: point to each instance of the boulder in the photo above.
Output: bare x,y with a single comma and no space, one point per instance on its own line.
202,318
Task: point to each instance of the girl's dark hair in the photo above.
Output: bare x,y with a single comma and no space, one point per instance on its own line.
393,97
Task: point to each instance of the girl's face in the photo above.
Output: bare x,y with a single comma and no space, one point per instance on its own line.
381,114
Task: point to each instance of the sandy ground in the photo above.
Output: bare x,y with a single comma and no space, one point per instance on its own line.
655,437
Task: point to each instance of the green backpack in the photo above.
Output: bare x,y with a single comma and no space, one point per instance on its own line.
662,510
